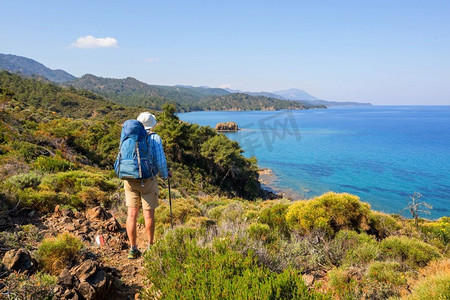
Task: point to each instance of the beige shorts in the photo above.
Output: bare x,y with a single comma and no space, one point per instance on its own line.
135,193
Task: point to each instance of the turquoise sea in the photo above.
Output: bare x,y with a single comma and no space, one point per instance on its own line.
381,153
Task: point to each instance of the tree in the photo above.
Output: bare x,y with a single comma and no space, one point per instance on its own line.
415,206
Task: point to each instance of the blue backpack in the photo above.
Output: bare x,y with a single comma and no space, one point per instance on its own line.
134,159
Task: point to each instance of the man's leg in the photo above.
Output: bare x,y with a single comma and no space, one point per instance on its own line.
149,217
132,215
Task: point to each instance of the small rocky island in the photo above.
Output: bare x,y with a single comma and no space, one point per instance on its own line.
227,126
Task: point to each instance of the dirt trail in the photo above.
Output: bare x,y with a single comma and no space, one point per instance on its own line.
90,227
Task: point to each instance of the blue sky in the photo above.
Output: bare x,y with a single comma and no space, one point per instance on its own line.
381,51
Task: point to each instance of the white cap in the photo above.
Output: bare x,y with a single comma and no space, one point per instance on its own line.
147,119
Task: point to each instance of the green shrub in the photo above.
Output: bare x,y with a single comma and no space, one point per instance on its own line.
53,164
410,250
434,287
387,272
93,196
330,212
259,231
37,286
23,181
73,182
251,215
352,248
363,254
343,284
182,211
383,225
43,201
54,254
200,222
233,212
439,229
177,266
27,150
275,217
216,212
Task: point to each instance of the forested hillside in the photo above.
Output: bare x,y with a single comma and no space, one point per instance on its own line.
240,101
132,92
68,102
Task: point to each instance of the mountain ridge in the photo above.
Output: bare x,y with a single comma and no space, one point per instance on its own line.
28,66
188,97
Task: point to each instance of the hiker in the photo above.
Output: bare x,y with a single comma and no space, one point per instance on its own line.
145,191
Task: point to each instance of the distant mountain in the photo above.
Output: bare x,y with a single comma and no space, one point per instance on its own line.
27,66
299,95
267,94
207,91
295,94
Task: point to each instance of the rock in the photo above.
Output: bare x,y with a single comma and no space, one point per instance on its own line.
97,213
65,278
68,213
20,261
86,290
57,210
99,281
84,228
60,293
86,269
66,220
308,279
77,223
227,126
70,227
112,225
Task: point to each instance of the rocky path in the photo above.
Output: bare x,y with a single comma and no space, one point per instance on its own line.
102,270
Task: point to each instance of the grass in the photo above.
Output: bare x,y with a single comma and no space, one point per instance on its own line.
410,250
54,254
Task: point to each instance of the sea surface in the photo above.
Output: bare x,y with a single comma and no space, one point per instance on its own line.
383,154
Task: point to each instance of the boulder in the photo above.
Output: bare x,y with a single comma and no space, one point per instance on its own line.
227,126
65,278
60,293
20,261
112,225
97,213
86,290
86,269
99,281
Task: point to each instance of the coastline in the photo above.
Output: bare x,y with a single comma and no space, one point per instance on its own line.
268,182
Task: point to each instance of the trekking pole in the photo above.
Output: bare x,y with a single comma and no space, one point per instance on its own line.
170,203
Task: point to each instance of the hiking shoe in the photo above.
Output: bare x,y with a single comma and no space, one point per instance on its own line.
133,254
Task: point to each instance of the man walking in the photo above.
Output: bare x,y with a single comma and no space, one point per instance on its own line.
145,192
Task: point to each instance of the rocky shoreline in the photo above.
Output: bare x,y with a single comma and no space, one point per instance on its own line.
268,181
